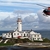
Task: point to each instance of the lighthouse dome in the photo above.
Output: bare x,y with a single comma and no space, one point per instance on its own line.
19,20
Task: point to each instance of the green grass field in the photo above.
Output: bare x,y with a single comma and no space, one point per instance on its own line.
7,44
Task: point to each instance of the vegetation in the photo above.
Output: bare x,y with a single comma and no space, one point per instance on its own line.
26,40
22,40
37,41
0,37
18,40
46,40
13,41
7,44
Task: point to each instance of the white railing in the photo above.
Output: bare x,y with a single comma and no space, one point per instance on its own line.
23,37
1,40
6,40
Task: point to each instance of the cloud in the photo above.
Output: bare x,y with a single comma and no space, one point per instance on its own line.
10,22
23,3
27,8
23,13
3,15
42,18
40,1
30,20
44,21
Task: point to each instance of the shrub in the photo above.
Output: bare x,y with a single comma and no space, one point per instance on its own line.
46,40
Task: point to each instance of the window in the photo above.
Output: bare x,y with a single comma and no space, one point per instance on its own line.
17,33
38,35
33,38
9,33
6,33
34,35
8,36
24,35
14,33
38,38
27,34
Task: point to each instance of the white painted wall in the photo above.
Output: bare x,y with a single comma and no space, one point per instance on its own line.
35,36
4,35
16,34
8,35
24,34
19,26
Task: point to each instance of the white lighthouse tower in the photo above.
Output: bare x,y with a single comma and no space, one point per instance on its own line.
19,24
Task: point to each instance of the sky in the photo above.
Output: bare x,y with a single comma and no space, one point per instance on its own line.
29,12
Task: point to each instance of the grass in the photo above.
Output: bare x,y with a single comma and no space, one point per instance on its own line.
13,41
7,44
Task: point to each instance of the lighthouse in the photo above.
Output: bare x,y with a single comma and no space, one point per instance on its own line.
19,24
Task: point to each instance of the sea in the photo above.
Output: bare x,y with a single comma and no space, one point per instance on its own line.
23,48
44,33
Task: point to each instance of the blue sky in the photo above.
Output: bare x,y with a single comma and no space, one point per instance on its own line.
28,10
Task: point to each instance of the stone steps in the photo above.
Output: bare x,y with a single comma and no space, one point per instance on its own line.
1,40
6,41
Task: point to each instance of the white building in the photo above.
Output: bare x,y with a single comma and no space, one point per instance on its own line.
35,36
6,35
19,24
18,33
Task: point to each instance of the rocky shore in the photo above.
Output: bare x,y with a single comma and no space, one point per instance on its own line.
27,46
33,45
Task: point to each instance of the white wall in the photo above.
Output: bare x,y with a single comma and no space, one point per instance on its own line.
24,34
6,35
19,26
35,36
16,34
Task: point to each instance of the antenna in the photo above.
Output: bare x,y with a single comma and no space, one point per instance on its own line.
40,5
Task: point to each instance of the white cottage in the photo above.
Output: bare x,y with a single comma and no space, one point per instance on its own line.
35,36
18,33
6,35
